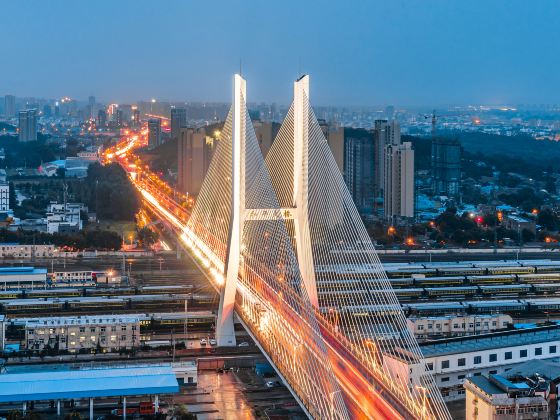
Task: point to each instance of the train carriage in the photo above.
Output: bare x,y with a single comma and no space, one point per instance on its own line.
439,281
496,278
546,288
488,306
510,270
539,278
505,289
451,291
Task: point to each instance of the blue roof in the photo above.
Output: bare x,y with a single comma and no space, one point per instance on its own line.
22,270
87,383
498,340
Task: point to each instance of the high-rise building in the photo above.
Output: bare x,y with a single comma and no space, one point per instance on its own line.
47,110
91,107
154,132
178,120
359,171
389,112
4,196
398,198
194,151
335,140
9,106
446,166
266,133
101,118
27,125
135,117
119,117
385,133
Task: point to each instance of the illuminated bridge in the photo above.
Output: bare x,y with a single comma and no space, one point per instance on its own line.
283,243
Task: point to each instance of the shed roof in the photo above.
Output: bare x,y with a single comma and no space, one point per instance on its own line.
87,383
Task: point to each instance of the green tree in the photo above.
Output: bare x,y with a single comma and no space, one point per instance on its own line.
147,237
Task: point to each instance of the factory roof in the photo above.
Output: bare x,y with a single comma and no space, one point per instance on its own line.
87,383
10,271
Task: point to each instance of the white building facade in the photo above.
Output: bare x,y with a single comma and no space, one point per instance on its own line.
103,332
456,326
453,360
15,250
398,198
4,197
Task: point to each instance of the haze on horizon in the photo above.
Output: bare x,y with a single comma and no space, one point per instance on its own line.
408,52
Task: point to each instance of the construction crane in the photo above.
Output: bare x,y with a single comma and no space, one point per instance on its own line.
434,120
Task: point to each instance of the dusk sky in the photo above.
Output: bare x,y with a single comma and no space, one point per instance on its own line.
409,52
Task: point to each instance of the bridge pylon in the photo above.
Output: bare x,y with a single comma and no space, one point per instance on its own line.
225,334
301,188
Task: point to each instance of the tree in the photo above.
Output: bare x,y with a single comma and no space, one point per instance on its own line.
147,237
14,415
13,198
547,219
182,413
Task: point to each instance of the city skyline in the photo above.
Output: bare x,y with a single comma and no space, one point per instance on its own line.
407,53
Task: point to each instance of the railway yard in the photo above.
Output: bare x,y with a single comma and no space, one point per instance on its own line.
524,288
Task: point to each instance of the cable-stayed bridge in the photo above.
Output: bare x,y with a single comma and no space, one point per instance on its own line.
283,243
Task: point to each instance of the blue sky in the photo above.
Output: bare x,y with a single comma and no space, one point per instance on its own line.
408,52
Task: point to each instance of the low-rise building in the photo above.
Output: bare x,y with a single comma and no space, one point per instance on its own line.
16,250
101,332
64,217
455,326
495,397
519,224
186,372
85,278
453,360
16,278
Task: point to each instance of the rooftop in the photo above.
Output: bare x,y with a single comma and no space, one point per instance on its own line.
491,341
4,271
87,383
485,385
81,320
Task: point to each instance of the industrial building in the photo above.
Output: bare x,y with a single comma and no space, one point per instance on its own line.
64,384
16,278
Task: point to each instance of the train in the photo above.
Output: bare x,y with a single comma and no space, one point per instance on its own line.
523,307
106,304
482,268
93,291
469,280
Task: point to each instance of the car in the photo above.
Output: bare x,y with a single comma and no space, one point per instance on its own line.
273,384
243,344
203,341
212,342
